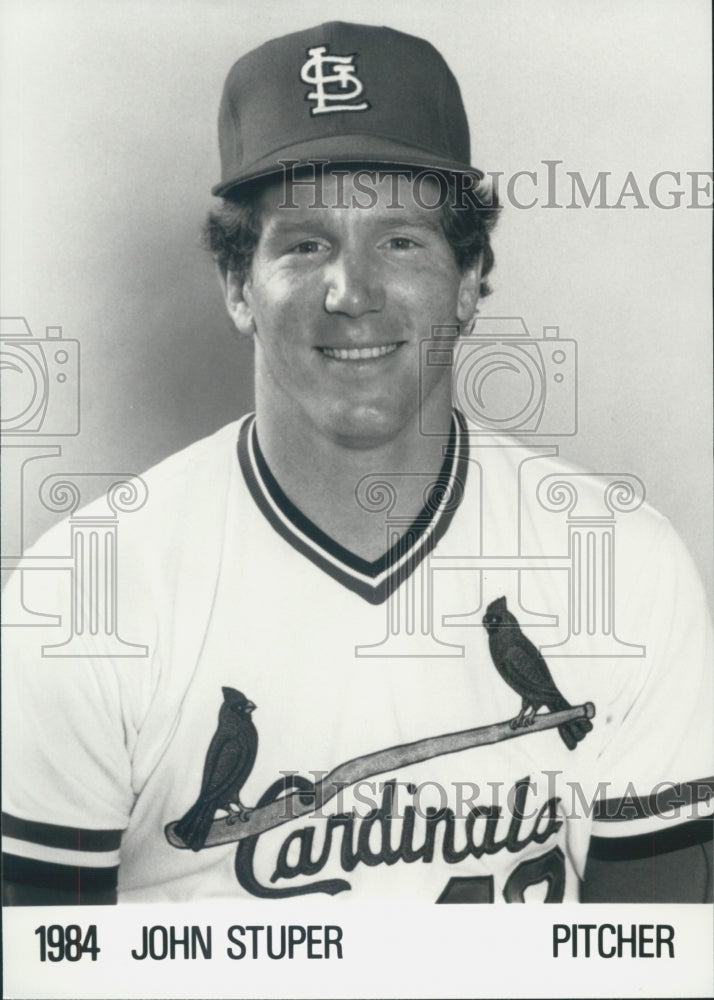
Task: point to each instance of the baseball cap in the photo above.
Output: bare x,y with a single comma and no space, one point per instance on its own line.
346,93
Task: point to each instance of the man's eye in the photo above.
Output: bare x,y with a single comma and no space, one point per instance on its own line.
401,243
307,247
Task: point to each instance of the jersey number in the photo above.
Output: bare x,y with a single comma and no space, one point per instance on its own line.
549,867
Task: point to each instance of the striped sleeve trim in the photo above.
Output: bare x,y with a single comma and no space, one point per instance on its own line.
67,838
648,845
66,878
59,856
689,800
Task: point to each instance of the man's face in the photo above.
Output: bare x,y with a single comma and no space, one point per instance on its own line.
339,300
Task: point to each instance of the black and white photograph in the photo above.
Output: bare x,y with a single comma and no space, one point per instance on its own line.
357,475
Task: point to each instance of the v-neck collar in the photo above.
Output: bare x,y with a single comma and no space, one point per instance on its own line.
373,581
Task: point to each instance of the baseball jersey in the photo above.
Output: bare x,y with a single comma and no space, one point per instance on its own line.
346,729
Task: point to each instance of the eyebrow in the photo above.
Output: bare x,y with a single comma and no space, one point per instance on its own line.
279,226
431,222
284,226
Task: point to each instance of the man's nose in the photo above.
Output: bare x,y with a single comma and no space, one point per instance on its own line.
354,284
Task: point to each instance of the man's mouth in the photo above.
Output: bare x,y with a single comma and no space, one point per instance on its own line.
358,353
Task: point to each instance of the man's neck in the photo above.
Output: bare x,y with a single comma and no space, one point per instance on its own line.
327,481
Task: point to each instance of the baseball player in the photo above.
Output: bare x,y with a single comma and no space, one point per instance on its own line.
370,673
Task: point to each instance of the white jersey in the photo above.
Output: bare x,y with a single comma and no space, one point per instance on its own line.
380,761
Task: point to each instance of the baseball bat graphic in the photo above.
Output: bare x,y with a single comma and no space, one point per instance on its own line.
228,829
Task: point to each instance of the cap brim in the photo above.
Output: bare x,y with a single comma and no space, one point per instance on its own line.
356,148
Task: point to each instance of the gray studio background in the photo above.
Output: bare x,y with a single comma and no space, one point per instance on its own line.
109,152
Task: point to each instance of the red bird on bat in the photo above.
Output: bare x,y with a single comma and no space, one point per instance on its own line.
523,668
229,761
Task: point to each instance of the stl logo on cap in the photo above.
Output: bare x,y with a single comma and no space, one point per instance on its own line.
343,77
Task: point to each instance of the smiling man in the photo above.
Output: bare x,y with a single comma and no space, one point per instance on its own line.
340,301
327,562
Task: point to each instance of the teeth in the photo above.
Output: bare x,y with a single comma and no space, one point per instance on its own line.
358,353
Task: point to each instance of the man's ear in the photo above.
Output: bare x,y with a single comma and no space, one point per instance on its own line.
238,309
468,295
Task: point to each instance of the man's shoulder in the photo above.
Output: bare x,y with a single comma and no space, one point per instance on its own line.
164,528
183,493
560,484
551,494
195,463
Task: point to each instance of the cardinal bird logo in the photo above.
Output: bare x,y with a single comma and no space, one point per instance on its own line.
523,668
229,761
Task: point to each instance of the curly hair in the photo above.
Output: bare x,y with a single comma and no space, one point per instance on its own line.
231,232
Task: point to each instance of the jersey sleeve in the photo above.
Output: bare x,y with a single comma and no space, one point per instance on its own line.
91,693
656,763
68,726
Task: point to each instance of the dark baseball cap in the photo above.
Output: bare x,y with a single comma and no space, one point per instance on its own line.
345,93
